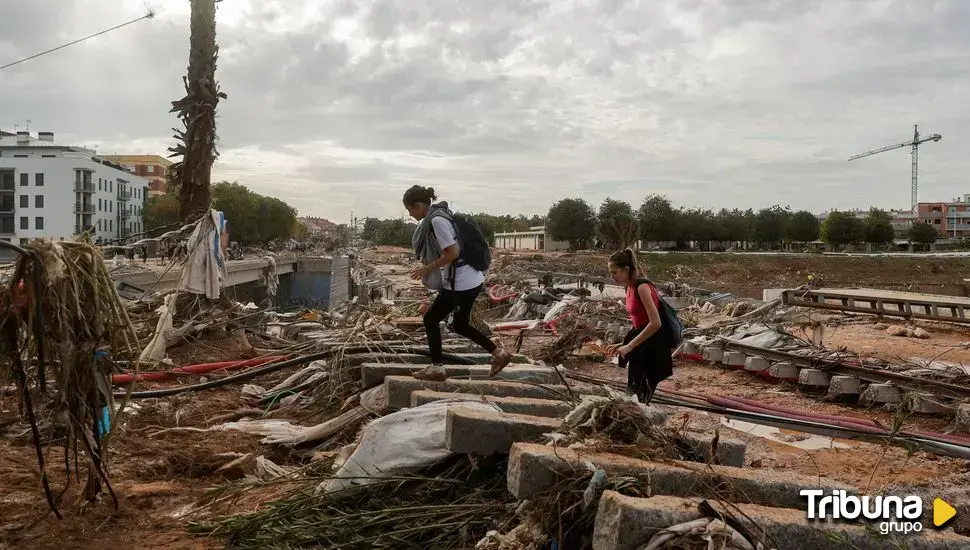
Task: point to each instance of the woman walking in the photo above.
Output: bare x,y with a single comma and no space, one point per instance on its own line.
458,284
645,351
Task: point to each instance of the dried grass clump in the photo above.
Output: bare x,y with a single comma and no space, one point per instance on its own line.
451,506
74,327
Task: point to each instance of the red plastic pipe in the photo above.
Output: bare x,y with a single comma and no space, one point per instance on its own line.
499,299
725,402
784,410
200,368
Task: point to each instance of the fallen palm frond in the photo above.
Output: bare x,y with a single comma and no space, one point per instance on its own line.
451,506
74,319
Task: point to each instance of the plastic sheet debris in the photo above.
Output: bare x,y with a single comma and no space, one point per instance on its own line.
399,443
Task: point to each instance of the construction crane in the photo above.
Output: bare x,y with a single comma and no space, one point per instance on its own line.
915,154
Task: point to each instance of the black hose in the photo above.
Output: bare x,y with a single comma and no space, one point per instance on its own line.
273,367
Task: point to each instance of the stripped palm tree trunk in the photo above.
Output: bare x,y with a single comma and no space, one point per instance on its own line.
196,142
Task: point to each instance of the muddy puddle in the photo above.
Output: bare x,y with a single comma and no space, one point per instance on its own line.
804,441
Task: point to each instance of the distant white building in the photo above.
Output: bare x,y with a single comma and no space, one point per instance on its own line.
58,191
533,239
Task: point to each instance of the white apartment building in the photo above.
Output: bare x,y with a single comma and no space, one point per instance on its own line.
58,191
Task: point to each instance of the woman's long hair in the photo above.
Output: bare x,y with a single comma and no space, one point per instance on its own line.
626,259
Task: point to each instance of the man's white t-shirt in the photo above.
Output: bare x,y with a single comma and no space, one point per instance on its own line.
466,276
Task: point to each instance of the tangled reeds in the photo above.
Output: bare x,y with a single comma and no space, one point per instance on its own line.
451,506
66,319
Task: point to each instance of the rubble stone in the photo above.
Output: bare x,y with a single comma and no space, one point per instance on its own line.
690,348
474,432
880,394
842,386
372,374
757,365
734,358
814,378
627,523
712,353
783,370
896,330
730,452
516,405
535,468
920,333
399,389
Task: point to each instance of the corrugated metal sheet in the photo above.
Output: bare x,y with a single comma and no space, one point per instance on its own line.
339,281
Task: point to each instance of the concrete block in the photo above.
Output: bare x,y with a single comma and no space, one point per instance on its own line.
730,452
783,370
757,365
474,432
399,389
358,359
372,374
924,403
734,359
771,294
844,386
537,468
814,378
963,417
517,405
690,348
627,523
712,354
881,394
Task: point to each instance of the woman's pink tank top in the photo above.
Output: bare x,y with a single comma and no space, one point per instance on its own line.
635,307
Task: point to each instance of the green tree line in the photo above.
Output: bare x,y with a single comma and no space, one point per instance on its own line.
616,225
253,218
397,232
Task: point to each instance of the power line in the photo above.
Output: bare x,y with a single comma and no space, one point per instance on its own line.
148,15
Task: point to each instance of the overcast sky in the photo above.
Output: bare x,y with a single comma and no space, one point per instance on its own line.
508,105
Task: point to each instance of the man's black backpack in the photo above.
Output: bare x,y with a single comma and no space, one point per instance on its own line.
670,323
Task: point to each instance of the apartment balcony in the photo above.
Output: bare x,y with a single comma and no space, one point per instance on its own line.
86,188
81,208
124,195
123,214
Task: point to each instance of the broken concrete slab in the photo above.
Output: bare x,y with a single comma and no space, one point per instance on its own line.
372,374
841,387
549,408
474,432
730,452
399,389
690,348
814,379
628,523
783,370
537,468
881,394
358,359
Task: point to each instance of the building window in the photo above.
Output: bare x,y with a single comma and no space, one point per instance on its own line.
38,201
23,242
39,180
24,222
99,225
48,156
24,201
39,222
100,204
99,185
20,156
24,180
111,225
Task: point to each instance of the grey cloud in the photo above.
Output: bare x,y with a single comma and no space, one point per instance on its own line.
514,104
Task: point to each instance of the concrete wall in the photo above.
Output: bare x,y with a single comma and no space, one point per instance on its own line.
339,281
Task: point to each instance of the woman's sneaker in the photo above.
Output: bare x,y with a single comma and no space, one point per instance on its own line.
499,361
